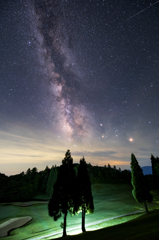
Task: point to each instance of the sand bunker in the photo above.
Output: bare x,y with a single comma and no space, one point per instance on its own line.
12,224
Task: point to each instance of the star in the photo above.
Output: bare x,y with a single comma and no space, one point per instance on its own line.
72,79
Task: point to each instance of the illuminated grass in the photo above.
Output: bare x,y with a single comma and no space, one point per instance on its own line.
144,227
115,221
109,200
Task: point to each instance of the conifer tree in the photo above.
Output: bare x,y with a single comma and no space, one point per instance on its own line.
45,175
84,193
155,171
62,199
51,180
140,191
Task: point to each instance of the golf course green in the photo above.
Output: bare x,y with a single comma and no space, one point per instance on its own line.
110,200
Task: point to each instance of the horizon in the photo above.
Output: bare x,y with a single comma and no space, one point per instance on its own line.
122,167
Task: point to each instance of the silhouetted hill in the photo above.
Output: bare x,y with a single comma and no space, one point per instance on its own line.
147,170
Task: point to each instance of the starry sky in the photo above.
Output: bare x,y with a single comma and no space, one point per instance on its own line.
78,75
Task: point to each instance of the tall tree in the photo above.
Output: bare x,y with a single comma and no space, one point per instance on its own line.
51,180
155,171
45,175
84,193
62,199
140,191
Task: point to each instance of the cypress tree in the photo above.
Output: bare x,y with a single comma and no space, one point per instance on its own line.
84,193
62,199
45,175
51,180
140,191
155,171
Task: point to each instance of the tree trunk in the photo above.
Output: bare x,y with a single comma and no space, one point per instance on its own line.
83,219
145,206
64,226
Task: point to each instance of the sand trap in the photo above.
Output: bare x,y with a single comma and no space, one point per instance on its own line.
12,224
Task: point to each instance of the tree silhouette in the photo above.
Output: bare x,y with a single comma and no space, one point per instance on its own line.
62,199
140,191
155,170
51,180
45,175
84,194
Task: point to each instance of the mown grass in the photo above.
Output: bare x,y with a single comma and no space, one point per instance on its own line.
110,200
145,227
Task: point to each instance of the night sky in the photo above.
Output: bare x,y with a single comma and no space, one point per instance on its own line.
80,75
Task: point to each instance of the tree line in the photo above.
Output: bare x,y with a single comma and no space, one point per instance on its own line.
23,186
27,185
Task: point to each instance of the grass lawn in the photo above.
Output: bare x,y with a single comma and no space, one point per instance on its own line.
145,227
110,200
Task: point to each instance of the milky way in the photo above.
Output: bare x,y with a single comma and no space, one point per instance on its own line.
81,75
57,57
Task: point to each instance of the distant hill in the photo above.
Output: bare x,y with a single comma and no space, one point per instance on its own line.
147,170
